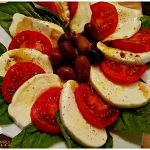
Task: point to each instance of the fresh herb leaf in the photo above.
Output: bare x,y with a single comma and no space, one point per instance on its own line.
69,141
134,120
4,116
2,49
109,142
31,137
145,21
7,10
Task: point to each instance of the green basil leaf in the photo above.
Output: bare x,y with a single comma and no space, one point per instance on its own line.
4,116
31,137
145,20
2,49
7,10
109,142
70,143
134,120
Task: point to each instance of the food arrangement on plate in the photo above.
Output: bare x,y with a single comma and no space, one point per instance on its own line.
73,72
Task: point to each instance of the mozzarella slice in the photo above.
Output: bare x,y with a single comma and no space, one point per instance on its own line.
27,94
21,23
73,121
123,56
9,58
131,96
132,5
146,77
81,17
128,23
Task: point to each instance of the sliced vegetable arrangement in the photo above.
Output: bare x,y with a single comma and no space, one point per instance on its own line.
37,41
72,73
16,76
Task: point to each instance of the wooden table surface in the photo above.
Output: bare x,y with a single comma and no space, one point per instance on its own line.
146,141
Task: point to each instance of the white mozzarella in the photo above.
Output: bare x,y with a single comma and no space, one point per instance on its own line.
146,77
128,23
130,96
9,58
123,56
73,121
21,23
27,94
81,17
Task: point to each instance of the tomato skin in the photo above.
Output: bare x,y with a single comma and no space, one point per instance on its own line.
73,6
16,76
43,112
105,19
94,111
138,43
49,5
31,39
122,74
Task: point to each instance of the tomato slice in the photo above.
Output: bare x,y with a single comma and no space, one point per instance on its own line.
105,18
93,109
31,39
138,43
16,76
122,74
49,5
43,112
73,6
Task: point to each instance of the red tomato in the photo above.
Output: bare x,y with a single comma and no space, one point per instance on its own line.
73,6
16,76
138,43
43,112
105,18
31,39
49,5
93,109
122,74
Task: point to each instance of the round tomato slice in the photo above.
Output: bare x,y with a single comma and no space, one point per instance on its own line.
138,43
31,39
120,73
73,6
93,109
49,5
105,18
16,76
43,112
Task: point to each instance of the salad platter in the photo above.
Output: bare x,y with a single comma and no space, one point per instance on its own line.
74,74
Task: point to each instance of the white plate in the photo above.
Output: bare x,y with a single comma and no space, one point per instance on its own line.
120,140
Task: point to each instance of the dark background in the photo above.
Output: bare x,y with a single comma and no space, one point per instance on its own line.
146,8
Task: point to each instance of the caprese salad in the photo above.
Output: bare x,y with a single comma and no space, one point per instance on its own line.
76,77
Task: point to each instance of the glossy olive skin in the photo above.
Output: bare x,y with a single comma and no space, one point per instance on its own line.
68,36
66,73
82,44
82,67
95,56
55,56
68,50
90,31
